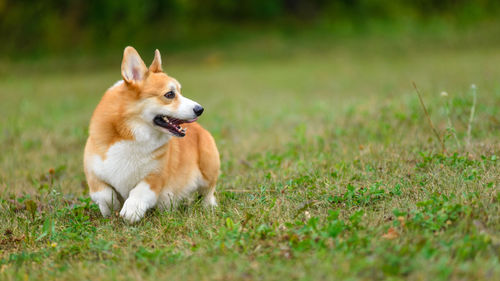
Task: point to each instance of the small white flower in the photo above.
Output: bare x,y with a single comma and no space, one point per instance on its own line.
473,86
444,94
307,215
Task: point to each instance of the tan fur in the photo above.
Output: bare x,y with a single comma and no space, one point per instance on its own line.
120,107
183,155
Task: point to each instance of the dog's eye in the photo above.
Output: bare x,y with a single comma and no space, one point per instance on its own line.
170,95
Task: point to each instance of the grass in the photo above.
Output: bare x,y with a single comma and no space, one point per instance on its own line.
330,169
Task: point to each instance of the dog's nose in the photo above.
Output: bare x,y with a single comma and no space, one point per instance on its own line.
198,110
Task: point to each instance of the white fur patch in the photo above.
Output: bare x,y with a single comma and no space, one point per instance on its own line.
140,200
209,200
185,109
129,162
107,201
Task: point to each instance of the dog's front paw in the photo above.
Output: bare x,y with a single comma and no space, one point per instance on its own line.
133,210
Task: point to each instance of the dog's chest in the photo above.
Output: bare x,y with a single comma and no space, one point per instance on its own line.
126,164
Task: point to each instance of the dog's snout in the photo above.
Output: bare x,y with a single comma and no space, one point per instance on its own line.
198,110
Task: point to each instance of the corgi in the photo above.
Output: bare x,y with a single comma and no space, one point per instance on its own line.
144,147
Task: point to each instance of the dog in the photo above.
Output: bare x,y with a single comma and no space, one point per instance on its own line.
144,147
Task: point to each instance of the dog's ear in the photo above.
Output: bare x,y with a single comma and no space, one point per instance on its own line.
156,64
133,68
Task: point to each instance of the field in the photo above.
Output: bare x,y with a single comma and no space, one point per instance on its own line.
330,168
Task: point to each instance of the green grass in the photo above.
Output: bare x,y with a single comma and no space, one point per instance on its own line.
325,154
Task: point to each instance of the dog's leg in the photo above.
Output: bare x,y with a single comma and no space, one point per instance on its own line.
209,198
103,195
140,199
209,168
207,190
167,201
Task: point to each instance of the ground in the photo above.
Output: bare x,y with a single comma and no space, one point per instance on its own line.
330,168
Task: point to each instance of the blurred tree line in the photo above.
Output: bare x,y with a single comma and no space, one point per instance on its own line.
53,25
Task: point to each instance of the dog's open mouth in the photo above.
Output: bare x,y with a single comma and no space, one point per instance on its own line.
172,124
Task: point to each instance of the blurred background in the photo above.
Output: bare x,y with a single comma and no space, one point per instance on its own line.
56,27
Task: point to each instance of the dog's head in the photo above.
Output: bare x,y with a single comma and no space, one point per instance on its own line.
157,99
